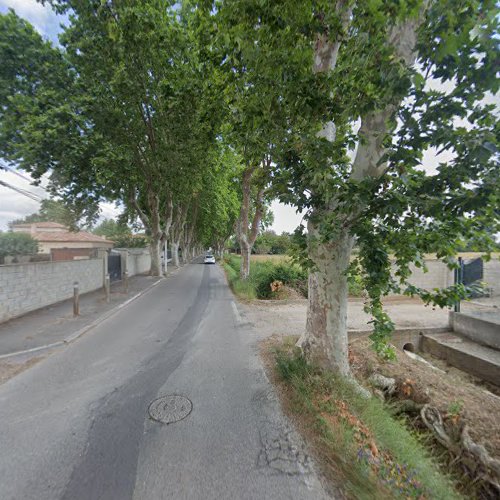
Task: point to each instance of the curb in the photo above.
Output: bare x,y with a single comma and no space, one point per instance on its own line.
85,329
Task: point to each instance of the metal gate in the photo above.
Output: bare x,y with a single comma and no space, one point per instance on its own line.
114,267
472,271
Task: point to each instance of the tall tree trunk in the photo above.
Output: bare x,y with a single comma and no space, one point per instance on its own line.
154,249
167,218
246,250
247,235
152,222
177,230
325,338
243,222
174,245
156,236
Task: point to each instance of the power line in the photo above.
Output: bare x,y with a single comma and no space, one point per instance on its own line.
15,172
28,194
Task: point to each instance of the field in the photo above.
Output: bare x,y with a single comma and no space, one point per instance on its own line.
272,258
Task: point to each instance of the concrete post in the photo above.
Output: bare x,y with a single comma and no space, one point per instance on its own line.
165,256
125,282
107,287
459,278
76,299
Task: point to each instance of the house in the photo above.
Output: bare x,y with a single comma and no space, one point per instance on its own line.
56,239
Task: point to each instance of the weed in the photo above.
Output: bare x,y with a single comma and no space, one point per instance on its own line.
378,456
455,408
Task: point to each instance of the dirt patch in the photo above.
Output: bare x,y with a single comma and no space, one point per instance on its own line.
9,369
275,316
453,392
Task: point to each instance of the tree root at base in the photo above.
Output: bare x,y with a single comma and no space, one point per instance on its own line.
474,455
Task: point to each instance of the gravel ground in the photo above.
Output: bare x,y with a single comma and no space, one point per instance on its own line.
289,317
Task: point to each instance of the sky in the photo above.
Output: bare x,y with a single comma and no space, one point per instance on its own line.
42,17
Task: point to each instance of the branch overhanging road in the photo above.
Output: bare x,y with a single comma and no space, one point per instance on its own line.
76,426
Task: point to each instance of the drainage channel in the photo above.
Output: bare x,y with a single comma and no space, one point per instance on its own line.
170,409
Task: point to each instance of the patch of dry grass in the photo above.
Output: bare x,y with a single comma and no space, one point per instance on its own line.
272,258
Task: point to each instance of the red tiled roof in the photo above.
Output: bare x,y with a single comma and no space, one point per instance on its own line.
69,236
47,225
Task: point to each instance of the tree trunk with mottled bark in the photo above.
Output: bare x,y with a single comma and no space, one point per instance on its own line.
154,249
325,339
246,250
152,222
174,248
247,235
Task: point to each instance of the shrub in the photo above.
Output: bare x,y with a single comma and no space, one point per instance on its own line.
356,287
288,274
17,244
265,272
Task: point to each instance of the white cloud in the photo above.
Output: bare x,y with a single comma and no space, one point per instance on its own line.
14,205
285,217
109,211
42,17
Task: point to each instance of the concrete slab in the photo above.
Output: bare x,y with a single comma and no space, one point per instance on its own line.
482,327
478,360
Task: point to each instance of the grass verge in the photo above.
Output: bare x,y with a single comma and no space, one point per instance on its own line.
358,441
243,289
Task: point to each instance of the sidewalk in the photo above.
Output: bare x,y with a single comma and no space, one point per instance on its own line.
56,323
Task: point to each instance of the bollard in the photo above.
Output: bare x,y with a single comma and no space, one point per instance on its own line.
125,281
76,299
107,287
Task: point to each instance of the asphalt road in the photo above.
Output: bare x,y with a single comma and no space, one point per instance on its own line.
76,426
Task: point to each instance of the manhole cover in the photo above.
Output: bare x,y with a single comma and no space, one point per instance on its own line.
169,409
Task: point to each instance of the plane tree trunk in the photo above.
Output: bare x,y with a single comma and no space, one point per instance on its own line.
325,340
151,220
248,234
178,224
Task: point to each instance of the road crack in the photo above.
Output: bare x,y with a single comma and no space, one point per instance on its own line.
281,453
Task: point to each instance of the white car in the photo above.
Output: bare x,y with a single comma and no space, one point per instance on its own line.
209,259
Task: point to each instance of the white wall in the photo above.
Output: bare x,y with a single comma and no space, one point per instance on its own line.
135,260
439,276
492,276
26,287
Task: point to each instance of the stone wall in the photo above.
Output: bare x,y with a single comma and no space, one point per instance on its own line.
439,276
26,287
492,276
135,260
142,262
